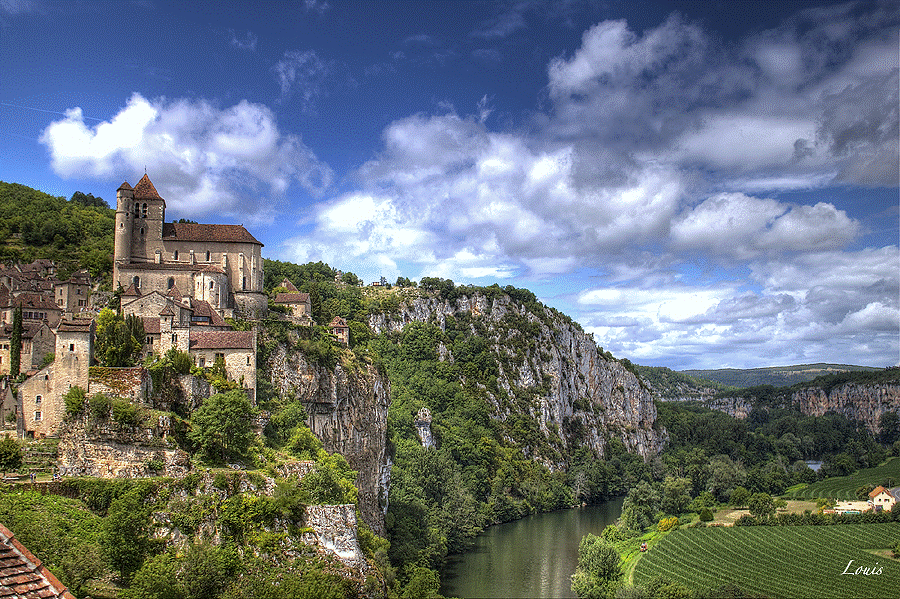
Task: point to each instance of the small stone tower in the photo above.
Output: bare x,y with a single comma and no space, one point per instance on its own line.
122,244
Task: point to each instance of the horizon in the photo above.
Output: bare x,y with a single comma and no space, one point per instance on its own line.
700,185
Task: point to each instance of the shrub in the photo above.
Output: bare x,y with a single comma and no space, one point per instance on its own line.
74,399
124,412
706,515
100,405
667,524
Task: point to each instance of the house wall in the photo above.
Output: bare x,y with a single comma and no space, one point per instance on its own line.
238,363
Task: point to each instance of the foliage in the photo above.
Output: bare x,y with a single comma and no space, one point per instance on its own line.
59,531
221,427
844,487
598,572
772,562
11,454
739,497
775,376
667,524
15,343
706,515
126,533
761,505
99,405
118,340
75,234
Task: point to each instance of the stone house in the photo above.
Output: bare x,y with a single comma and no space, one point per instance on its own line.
38,340
338,327
218,264
41,395
72,295
298,304
35,307
236,348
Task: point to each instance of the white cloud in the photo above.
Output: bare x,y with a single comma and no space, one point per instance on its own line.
247,42
301,74
201,157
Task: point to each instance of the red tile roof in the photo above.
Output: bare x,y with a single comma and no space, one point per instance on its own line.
126,186
151,325
82,325
221,340
289,286
292,298
213,233
132,291
22,575
338,323
202,308
144,190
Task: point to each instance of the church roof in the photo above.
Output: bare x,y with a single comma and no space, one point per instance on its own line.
144,190
132,291
125,186
291,298
197,232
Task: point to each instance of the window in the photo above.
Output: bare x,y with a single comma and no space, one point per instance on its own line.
171,282
220,357
175,255
142,231
80,303
136,281
248,360
38,416
71,347
78,291
201,361
144,213
210,284
174,338
149,340
207,255
38,399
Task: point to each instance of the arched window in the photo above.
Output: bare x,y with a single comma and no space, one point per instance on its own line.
171,282
244,283
210,284
142,231
207,255
136,281
175,255
144,211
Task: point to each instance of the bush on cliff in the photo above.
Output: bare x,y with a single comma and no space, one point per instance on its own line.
221,428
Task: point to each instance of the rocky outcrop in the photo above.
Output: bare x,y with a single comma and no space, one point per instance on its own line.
865,403
333,527
581,395
347,408
109,450
423,427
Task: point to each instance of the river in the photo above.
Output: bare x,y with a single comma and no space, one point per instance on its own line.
532,557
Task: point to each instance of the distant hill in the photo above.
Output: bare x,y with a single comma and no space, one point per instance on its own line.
666,383
777,376
75,233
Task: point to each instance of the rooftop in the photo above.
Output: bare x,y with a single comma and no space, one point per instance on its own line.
22,575
207,233
222,340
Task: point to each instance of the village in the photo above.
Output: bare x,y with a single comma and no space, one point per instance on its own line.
185,281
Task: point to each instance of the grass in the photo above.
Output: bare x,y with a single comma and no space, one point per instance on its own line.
844,487
787,561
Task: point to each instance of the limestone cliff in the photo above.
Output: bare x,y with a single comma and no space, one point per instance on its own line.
861,402
347,408
582,395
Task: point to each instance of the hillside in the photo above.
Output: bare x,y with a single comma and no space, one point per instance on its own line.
77,233
777,376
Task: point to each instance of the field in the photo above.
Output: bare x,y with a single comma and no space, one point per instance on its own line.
786,561
844,487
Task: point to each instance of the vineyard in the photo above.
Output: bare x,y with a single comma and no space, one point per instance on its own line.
844,487
786,561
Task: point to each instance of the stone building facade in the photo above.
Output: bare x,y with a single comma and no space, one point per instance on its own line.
218,264
38,340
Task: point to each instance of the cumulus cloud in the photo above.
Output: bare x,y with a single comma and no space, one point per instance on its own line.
234,160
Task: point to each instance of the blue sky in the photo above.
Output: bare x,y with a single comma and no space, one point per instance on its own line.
699,184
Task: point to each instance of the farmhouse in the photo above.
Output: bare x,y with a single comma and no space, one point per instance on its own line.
219,264
883,499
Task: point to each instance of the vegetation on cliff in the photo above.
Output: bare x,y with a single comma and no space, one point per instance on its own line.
77,233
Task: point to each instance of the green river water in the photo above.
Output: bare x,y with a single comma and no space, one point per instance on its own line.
532,557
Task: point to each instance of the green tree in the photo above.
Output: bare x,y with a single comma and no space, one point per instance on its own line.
119,340
15,344
11,454
126,533
676,495
157,579
761,505
739,497
221,427
889,427
74,399
598,572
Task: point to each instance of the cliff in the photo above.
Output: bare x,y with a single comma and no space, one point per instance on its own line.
861,402
581,396
347,407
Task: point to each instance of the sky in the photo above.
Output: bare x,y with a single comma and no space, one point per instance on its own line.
705,184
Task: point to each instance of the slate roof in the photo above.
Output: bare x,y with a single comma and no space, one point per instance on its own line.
151,325
221,340
82,325
23,575
145,190
202,308
35,302
212,233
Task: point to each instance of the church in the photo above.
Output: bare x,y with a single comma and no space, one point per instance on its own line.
218,264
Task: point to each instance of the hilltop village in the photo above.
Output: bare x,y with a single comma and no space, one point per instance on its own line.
185,281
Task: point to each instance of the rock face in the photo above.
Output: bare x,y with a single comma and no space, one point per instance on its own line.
334,529
582,395
423,427
865,403
113,451
347,409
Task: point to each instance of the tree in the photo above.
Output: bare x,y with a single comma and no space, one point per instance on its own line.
598,571
15,344
119,340
221,427
74,399
11,454
676,495
739,497
889,427
761,505
126,533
